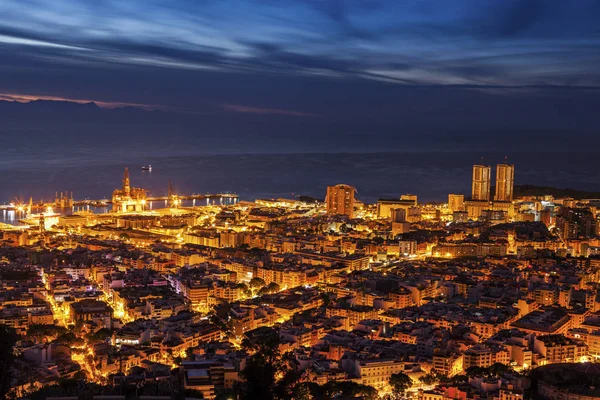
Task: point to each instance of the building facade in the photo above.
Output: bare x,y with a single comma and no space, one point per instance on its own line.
481,182
505,179
340,200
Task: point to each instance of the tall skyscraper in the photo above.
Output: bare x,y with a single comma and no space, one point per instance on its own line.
482,175
340,200
505,179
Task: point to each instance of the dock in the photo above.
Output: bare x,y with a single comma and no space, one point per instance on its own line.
104,202
194,196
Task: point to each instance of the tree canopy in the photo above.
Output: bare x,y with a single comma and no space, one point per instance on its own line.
400,382
8,339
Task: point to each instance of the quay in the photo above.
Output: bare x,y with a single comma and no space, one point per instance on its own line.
194,196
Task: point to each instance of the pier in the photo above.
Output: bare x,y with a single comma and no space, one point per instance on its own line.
194,196
20,206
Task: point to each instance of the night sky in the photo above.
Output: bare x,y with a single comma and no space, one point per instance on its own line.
389,68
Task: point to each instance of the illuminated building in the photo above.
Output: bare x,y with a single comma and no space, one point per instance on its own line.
408,247
475,208
400,227
340,200
460,216
485,356
559,349
399,223
481,182
492,215
447,363
128,199
410,197
456,202
398,215
385,207
376,372
546,217
505,178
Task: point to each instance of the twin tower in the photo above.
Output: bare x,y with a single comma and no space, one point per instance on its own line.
482,177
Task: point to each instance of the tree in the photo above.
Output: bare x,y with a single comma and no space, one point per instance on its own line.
269,289
476,371
334,389
459,379
429,379
99,336
40,332
8,339
326,297
499,369
273,287
70,339
400,382
263,367
257,283
288,386
302,392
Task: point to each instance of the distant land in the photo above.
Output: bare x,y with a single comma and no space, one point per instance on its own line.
533,190
61,108
238,126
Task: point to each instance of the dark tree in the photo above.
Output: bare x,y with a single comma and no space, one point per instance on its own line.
350,389
257,283
8,339
263,367
400,382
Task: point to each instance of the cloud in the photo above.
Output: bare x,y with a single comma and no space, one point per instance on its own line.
26,98
265,111
504,42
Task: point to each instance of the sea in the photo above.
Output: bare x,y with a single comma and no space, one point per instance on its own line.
92,174
430,175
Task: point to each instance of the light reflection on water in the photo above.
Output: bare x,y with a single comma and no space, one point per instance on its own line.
15,217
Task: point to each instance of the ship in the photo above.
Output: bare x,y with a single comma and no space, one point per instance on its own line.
147,168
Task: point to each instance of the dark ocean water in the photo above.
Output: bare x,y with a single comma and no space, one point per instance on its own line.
93,173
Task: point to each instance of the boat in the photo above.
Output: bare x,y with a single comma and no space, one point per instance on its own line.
147,168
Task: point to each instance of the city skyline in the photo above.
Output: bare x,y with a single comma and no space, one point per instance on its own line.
299,200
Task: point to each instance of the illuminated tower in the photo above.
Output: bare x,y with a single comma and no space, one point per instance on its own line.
505,179
128,199
126,185
482,175
340,200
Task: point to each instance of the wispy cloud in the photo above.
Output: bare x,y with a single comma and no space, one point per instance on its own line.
265,111
425,42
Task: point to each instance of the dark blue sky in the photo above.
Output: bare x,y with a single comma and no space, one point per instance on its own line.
379,65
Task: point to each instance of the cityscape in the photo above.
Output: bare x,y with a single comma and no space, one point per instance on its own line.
299,200
492,295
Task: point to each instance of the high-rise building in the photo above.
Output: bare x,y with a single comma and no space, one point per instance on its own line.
456,202
340,200
505,179
482,175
